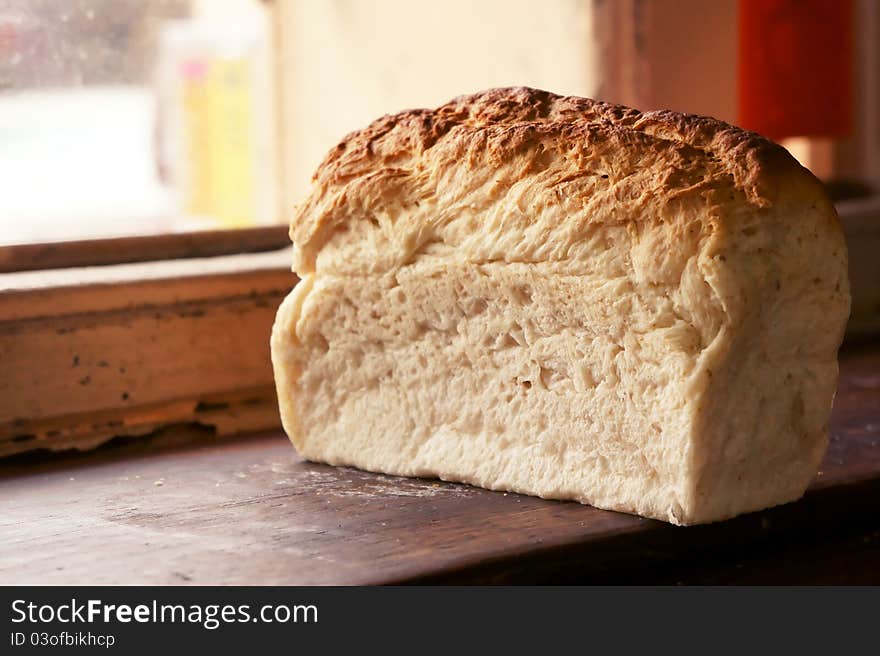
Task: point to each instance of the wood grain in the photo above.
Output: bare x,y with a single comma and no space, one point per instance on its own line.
90,354
253,512
142,248
60,292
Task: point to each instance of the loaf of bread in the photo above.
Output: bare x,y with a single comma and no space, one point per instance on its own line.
570,299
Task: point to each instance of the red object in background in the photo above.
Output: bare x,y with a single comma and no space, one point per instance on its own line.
795,67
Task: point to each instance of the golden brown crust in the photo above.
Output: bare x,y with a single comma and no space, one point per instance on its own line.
404,154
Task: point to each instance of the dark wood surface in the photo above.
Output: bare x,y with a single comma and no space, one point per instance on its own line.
252,512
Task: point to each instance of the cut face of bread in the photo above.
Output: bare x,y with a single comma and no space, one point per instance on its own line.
568,299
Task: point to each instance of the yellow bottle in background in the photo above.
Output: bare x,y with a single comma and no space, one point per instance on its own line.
195,163
214,110
230,121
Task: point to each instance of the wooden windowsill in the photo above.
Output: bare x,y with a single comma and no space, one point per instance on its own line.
146,248
90,354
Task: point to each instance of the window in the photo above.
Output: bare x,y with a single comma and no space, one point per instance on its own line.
125,117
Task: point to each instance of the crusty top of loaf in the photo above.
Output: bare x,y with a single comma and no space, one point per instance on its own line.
403,158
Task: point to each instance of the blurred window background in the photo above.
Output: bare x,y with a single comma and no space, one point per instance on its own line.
122,117
126,117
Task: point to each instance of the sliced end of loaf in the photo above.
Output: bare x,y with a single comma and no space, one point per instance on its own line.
567,299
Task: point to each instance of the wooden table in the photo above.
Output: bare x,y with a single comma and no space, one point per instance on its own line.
252,512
